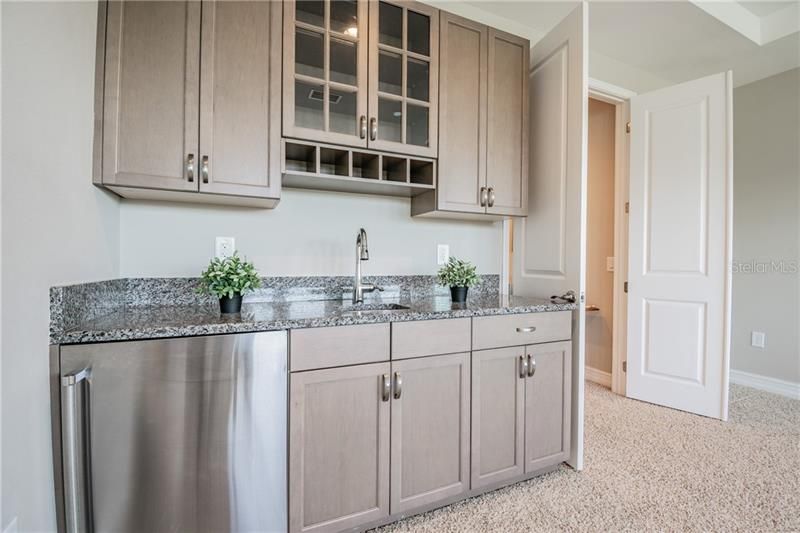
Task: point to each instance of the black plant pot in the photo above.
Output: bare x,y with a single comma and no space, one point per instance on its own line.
458,294
229,306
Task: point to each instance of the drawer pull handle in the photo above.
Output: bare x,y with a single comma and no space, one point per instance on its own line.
398,385
529,329
531,366
523,367
386,387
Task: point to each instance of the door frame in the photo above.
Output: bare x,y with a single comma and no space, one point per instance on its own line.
619,97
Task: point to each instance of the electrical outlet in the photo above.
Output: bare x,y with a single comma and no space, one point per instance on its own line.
610,264
225,247
442,254
758,339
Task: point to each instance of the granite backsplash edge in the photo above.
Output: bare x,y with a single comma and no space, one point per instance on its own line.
73,305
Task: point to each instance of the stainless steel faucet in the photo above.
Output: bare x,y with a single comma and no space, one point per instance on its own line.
362,254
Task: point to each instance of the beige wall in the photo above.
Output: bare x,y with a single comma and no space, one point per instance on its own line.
767,224
57,227
600,235
309,233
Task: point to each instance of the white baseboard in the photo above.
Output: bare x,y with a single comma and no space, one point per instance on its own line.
598,376
789,389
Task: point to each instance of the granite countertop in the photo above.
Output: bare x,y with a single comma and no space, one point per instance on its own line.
151,322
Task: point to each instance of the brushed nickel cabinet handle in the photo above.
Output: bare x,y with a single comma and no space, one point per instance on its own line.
398,385
190,167
373,129
204,169
523,367
491,196
531,366
386,388
363,127
484,197
529,329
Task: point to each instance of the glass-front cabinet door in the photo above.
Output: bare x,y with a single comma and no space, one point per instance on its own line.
325,71
403,77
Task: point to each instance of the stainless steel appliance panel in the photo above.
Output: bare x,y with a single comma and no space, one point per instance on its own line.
176,435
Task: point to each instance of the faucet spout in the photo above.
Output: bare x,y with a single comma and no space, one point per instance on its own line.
361,245
362,254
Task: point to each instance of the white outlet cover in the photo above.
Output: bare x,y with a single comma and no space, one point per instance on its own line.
758,339
442,254
225,246
610,264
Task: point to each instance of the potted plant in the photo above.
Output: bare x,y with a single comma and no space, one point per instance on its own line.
459,276
228,279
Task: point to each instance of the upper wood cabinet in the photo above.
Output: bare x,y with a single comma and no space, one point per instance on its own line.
151,107
483,123
362,74
507,125
178,127
240,99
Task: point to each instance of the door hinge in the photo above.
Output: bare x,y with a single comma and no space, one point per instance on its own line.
627,207
628,127
625,287
624,366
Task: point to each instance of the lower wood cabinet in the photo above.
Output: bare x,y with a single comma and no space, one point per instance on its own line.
498,422
338,447
430,430
376,440
520,410
340,437
547,405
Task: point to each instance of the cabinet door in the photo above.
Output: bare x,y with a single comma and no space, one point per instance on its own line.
338,448
240,98
430,430
403,77
462,114
498,401
150,100
547,405
325,71
507,134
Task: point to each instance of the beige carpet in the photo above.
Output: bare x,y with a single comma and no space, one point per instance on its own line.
650,468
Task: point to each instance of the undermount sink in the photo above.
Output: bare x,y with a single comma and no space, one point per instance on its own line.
375,308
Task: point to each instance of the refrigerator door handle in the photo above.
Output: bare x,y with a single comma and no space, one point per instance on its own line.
75,433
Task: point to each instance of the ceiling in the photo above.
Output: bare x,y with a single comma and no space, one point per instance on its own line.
761,9
670,41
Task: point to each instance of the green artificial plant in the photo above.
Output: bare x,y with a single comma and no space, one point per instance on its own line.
458,273
228,277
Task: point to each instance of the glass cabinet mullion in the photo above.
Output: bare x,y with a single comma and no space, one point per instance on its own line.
327,65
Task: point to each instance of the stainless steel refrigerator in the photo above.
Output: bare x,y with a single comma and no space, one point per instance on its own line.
175,435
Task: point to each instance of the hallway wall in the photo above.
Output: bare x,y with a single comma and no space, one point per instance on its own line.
600,235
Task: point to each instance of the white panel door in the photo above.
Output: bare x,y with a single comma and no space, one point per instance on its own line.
680,246
549,245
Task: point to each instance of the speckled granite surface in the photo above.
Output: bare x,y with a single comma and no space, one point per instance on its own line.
138,309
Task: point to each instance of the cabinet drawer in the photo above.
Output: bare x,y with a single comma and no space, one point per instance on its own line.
430,337
517,330
338,346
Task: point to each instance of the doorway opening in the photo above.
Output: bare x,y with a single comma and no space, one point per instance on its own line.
607,235
600,257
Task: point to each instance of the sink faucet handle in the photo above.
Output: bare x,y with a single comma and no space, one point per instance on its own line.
378,288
